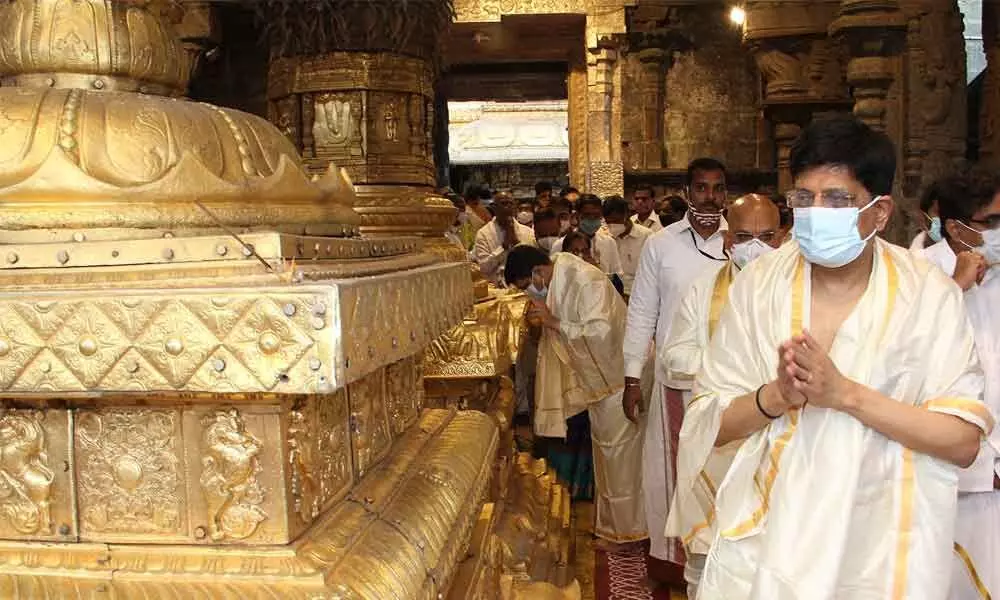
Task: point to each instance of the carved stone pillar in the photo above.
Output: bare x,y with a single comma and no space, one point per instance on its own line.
654,63
936,128
605,174
363,98
801,66
989,118
872,31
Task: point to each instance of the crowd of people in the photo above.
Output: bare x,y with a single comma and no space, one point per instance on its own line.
779,402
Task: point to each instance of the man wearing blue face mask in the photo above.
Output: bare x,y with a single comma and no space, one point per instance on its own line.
603,246
580,368
970,209
930,231
855,402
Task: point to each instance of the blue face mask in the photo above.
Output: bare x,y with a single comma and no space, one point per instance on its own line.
829,237
590,226
934,231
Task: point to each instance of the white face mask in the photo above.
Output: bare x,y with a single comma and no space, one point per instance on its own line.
747,252
991,244
525,217
616,229
546,243
537,289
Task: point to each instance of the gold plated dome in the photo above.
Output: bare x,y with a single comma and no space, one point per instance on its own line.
91,44
79,150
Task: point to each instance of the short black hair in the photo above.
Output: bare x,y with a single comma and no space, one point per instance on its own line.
931,195
573,236
676,203
645,187
785,214
845,141
703,164
615,205
588,200
475,193
542,187
545,214
522,260
960,197
566,191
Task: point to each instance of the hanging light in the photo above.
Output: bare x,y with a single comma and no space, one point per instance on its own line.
738,15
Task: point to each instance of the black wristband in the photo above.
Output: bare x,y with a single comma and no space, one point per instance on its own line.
760,406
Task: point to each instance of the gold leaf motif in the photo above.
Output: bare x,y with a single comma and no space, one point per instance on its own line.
131,315
129,472
319,453
176,343
18,345
268,342
89,344
223,373
370,430
44,316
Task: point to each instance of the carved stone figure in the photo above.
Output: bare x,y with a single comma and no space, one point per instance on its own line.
391,122
333,124
25,477
229,476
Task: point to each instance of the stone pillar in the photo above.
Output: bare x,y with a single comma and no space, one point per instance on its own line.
369,109
989,118
654,63
936,128
802,68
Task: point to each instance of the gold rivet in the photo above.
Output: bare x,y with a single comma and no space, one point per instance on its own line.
98,84
12,258
62,256
221,249
315,364
289,309
88,346
133,367
219,365
4,347
46,367
79,237
174,346
168,253
268,342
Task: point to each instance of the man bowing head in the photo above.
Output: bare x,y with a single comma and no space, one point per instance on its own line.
581,367
855,401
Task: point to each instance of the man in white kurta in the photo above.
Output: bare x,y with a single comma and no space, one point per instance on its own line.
671,259
754,230
580,368
855,401
968,205
497,237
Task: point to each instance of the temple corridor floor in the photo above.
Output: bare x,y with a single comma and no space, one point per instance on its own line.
586,563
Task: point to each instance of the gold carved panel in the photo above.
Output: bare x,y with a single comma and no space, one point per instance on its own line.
36,497
319,454
236,469
130,475
404,393
371,433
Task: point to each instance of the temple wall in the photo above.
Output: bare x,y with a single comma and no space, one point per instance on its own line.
712,97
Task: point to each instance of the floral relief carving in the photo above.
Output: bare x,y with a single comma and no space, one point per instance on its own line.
319,453
130,471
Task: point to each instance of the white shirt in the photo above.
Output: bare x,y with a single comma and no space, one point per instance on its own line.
919,242
488,249
652,223
981,302
629,251
605,253
671,259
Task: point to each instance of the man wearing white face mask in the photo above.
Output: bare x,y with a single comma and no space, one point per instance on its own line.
855,403
970,209
580,368
629,235
754,230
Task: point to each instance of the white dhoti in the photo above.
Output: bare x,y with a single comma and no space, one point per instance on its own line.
617,444
975,574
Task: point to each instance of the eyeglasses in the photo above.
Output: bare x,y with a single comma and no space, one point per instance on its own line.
833,198
743,237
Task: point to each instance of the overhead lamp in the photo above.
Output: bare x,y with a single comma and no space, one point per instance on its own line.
738,15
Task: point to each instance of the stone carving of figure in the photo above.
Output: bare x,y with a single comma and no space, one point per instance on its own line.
940,79
229,476
25,478
332,124
391,123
